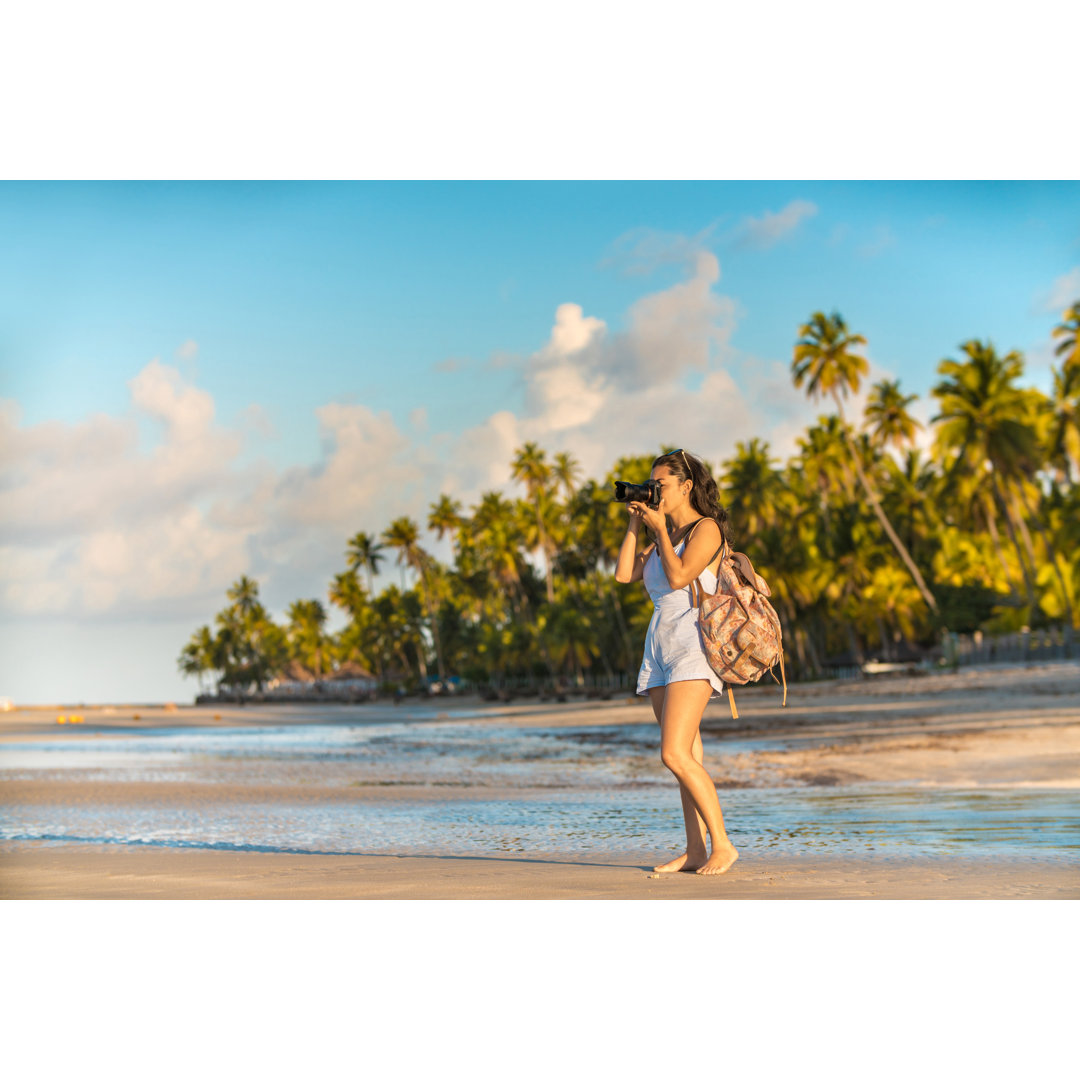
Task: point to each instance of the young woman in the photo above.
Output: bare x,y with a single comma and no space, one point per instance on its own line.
688,529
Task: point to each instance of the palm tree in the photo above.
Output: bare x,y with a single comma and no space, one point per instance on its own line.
1064,439
244,595
306,638
531,468
392,629
1069,332
347,593
249,646
495,544
825,360
984,424
824,462
886,417
753,487
198,655
572,640
403,535
363,552
565,471
445,517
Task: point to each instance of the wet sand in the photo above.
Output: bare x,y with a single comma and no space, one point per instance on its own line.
149,874
1003,727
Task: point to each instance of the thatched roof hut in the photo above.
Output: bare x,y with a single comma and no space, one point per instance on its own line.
349,670
296,672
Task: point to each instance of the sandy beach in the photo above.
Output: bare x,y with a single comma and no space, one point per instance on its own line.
977,732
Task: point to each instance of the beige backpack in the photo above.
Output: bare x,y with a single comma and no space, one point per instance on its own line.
739,627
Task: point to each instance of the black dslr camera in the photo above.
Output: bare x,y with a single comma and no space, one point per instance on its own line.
648,493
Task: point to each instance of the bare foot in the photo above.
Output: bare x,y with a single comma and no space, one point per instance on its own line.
720,860
683,862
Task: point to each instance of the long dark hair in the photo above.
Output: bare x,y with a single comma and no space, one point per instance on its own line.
704,495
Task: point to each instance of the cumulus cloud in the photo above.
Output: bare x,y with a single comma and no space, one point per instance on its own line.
366,457
599,394
98,525
764,232
91,521
65,479
188,351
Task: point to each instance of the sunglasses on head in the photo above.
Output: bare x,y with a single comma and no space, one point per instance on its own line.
683,452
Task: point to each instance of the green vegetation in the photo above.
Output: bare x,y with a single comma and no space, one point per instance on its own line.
868,545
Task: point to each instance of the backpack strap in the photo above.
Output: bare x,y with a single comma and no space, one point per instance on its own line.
696,598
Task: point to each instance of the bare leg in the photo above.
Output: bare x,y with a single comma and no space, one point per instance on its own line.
696,852
684,704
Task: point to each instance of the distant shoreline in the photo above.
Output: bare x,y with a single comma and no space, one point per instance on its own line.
575,698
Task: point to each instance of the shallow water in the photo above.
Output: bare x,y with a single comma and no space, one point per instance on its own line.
467,754
582,791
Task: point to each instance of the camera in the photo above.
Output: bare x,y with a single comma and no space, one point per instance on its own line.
648,493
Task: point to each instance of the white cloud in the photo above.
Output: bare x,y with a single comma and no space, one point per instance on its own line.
600,395
572,332
367,460
643,250
1062,294
255,418
677,330
480,458
188,351
769,229
97,526
91,522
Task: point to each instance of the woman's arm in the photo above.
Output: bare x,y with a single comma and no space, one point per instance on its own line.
630,567
700,550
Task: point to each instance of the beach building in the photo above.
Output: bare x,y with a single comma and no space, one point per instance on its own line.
349,682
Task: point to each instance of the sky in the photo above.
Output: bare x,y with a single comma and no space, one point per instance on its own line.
203,380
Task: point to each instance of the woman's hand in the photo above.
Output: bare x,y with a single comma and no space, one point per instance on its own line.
653,518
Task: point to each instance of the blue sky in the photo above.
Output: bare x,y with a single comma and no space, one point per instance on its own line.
202,380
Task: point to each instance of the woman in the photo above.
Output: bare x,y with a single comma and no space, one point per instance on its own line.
689,530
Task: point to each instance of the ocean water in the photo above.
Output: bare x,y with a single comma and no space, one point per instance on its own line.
496,789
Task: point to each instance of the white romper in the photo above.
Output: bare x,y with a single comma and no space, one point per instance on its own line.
674,651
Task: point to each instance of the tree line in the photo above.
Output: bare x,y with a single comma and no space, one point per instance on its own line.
871,546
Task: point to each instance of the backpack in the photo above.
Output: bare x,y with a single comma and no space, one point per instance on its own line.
739,627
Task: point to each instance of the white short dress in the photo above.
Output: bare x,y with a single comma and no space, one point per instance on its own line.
674,651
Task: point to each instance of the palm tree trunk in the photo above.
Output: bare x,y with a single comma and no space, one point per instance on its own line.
1029,587
995,537
897,543
1024,534
875,503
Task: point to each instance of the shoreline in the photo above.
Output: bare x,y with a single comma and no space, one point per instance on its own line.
1016,729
